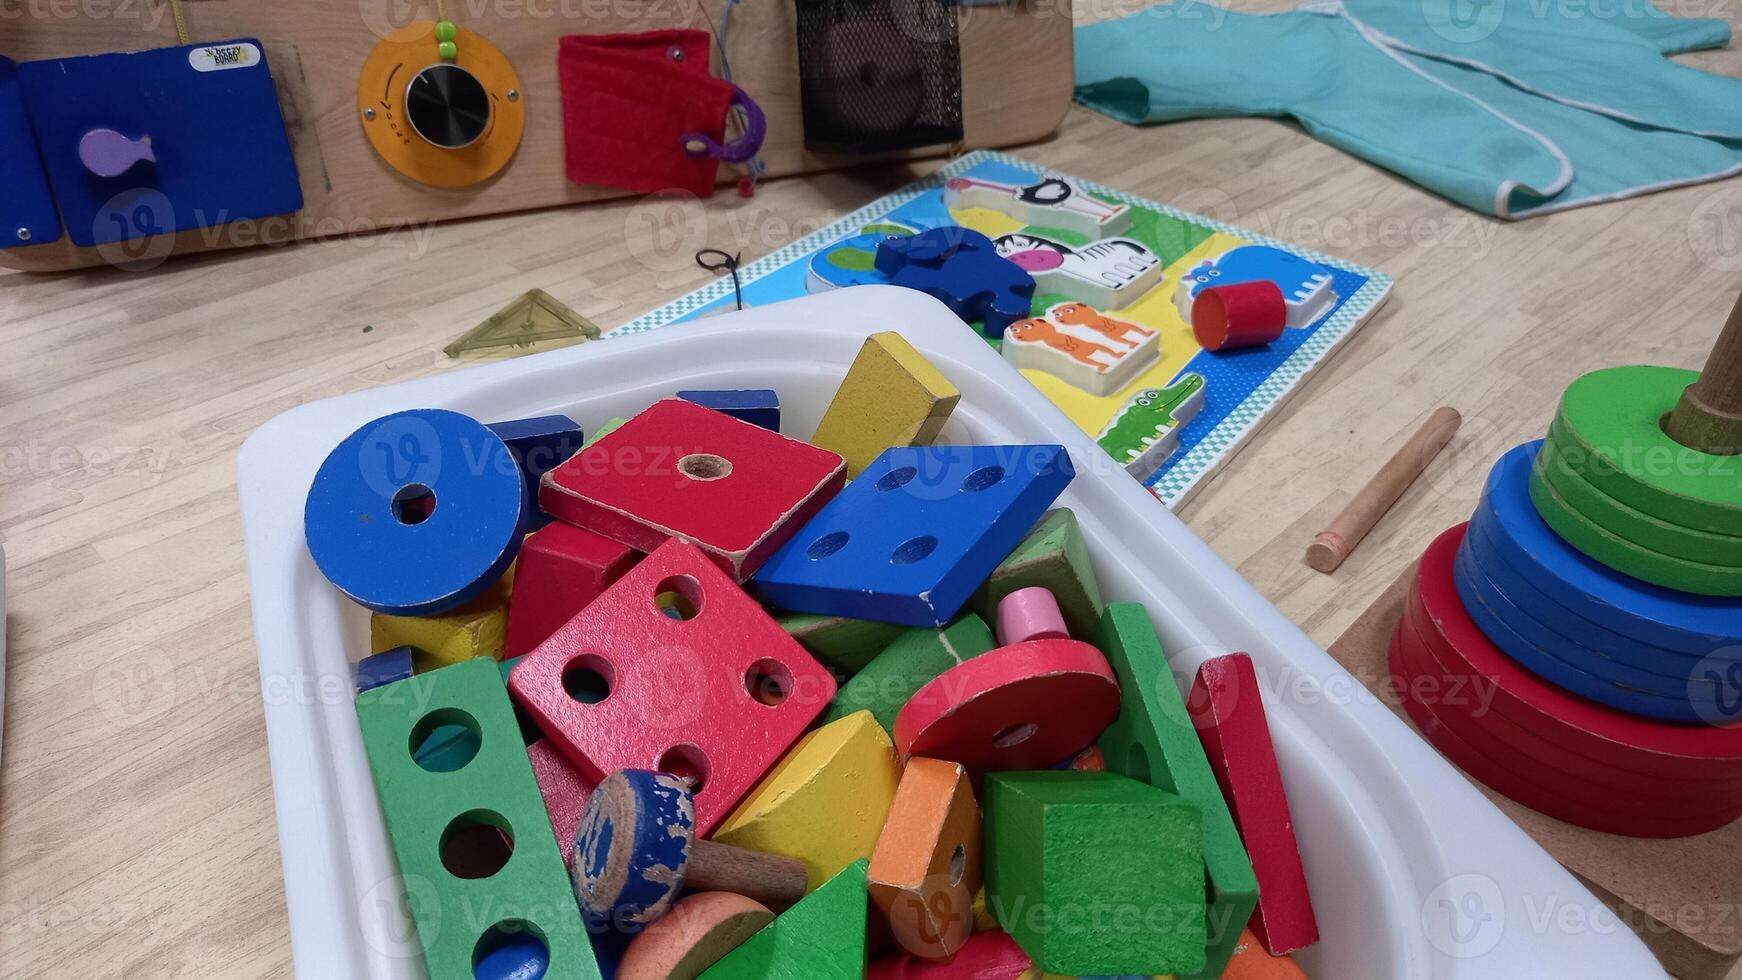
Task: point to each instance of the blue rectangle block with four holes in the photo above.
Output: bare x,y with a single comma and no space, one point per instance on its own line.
757,406
912,538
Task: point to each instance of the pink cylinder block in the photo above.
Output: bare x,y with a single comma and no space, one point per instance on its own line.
1030,614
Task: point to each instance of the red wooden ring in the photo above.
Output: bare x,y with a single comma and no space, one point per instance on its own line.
1244,314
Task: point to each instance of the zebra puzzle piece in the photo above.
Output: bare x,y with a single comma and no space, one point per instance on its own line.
926,867
891,396
1109,273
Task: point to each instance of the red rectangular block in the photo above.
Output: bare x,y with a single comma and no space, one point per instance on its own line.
561,569
674,668
1228,711
736,491
565,789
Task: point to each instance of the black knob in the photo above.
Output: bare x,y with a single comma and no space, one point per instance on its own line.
448,106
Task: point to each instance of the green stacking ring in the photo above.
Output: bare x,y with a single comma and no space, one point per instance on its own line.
1610,431
1602,545
1632,524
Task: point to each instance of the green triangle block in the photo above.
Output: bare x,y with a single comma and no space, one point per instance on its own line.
1054,556
820,938
535,321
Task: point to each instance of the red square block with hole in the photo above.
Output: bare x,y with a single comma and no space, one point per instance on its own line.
674,668
565,790
561,569
736,491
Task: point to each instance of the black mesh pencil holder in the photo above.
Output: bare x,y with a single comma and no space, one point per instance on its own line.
879,75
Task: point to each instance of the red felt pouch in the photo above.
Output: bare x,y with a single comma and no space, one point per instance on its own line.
629,100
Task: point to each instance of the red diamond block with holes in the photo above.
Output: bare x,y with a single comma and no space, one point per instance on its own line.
736,491
674,668
561,569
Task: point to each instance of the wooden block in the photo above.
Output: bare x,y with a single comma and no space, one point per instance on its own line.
1095,874
538,445
1307,287
512,955
1145,432
824,802
843,645
1050,202
398,531
715,690
565,789
988,955
1019,707
700,929
1227,707
477,629
962,269
891,396
1251,962
561,569
605,428
1082,347
1053,556
884,686
477,837
1107,273
1089,760
1242,314
820,938
983,919
678,470
925,870
757,406
1153,740
1030,614
920,529
382,668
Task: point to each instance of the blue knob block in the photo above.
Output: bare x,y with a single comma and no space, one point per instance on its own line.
757,406
632,847
538,445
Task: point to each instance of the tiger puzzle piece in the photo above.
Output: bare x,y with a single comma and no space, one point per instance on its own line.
1083,348
539,445
852,261
674,669
962,269
678,470
824,802
1109,273
561,569
477,836
926,866
477,629
1305,285
820,938
1055,557
757,406
891,396
843,645
1227,707
1146,431
1154,740
907,664
1079,844
699,930
1051,202
987,955
912,538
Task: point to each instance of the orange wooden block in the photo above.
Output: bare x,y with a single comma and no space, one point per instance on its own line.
694,935
926,867
1252,962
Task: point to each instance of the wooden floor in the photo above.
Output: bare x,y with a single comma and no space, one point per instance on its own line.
137,836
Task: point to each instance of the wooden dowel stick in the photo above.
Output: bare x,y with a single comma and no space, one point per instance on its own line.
771,879
1709,416
1333,544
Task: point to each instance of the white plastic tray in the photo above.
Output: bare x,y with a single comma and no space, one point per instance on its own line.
1414,873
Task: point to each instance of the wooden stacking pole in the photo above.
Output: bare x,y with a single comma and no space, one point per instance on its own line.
1709,416
1333,544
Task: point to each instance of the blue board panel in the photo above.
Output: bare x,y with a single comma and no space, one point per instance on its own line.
211,114
27,214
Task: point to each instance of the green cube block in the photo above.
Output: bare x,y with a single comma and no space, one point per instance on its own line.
905,666
1053,556
1153,740
1094,874
472,836
843,645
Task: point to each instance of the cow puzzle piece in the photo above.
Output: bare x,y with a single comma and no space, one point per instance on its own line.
1306,285
962,269
1082,347
1145,433
1109,273
1050,202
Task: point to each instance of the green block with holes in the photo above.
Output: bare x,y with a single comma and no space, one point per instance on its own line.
843,645
1153,740
1094,874
466,884
1055,557
905,666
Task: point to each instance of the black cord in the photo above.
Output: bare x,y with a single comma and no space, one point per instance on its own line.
726,263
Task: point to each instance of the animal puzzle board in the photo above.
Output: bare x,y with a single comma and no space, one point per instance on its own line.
1106,335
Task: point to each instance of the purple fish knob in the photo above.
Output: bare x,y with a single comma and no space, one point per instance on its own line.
107,153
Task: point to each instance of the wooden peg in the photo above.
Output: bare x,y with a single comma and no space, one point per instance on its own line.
1709,416
1333,544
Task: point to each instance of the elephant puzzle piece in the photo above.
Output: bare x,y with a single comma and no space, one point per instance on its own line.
1146,431
1051,202
852,261
1082,347
963,269
1108,273
1306,285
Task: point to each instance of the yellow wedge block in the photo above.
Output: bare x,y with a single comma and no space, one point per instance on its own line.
892,396
477,629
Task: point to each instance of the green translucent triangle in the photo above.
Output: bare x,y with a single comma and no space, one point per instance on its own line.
535,321
820,938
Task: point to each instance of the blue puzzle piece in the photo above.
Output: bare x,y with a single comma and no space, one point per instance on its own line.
539,444
912,538
963,269
757,406
383,668
27,211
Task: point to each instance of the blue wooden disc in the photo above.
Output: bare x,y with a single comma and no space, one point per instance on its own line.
1704,626
632,848
415,513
